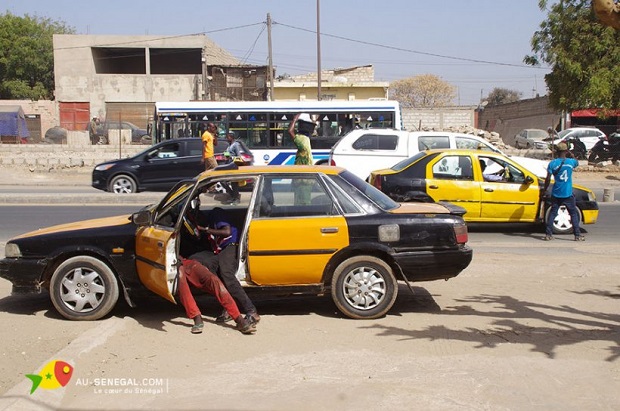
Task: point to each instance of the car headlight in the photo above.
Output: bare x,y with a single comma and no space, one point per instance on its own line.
591,196
11,250
104,167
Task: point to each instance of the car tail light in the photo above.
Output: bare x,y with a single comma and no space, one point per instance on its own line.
460,232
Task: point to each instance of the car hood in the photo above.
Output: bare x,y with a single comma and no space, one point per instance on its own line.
79,225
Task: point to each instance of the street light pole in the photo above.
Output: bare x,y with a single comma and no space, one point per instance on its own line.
318,48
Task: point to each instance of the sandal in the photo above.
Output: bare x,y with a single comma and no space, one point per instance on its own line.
580,238
197,328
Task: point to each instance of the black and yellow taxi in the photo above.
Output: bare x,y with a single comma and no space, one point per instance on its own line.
490,186
302,230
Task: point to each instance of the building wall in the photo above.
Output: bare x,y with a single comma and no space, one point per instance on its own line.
351,83
329,91
77,79
46,109
438,119
508,119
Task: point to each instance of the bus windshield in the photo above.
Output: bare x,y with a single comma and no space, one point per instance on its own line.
263,125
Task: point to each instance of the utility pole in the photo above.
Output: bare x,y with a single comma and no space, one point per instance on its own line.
270,58
318,49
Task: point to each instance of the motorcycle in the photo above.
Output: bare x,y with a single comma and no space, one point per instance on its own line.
577,148
606,149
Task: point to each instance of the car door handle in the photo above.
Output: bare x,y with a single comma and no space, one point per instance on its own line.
433,186
329,230
488,189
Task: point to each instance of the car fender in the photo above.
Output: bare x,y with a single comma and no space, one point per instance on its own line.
59,255
375,249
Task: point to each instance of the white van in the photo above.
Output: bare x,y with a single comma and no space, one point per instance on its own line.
364,150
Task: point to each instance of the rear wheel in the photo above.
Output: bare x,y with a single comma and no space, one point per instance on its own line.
562,223
84,288
364,287
122,184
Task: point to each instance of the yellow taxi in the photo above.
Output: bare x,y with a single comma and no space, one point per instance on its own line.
489,186
302,230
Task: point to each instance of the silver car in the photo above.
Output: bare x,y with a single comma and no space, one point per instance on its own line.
531,138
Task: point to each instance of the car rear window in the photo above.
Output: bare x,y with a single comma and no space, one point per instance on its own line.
355,187
376,142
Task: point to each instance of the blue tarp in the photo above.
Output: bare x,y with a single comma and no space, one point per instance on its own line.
13,122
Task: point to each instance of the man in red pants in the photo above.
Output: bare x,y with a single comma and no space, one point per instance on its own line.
196,274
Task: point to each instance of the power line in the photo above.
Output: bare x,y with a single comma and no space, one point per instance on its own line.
412,51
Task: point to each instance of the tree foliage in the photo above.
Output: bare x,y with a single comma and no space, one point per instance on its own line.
27,56
583,54
424,91
502,96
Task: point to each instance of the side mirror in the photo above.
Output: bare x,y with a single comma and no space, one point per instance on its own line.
141,218
529,180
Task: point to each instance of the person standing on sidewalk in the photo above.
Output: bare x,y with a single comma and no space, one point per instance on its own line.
209,140
561,168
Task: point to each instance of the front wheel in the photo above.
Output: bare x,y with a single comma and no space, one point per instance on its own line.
562,223
123,184
364,287
83,288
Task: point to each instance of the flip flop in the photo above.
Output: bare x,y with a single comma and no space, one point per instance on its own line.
197,328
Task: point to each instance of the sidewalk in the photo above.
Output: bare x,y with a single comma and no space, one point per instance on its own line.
22,177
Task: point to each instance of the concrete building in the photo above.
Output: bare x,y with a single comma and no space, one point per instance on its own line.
122,76
352,83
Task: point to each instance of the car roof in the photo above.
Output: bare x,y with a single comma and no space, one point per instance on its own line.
464,151
272,169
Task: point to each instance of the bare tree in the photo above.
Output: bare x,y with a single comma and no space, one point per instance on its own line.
423,91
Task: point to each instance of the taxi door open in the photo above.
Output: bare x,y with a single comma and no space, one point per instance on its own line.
156,242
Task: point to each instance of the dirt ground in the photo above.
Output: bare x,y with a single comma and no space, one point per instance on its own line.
529,325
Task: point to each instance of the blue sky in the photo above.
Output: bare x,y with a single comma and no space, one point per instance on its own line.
473,45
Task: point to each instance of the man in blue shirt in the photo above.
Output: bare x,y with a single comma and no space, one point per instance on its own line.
561,168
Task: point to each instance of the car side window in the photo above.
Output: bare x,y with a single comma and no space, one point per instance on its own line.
499,171
168,151
194,148
453,168
295,196
432,142
376,142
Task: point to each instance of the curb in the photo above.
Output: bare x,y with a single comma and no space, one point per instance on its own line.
86,199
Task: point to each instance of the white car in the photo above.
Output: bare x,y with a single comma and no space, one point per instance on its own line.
364,150
588,136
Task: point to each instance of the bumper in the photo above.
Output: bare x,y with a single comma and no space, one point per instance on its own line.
25,275
589,210
434,265
99,181
590,216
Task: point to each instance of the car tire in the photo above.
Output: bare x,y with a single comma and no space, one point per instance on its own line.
562,223
145,140
84,288
364,287
123,184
